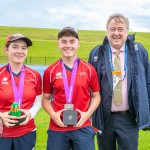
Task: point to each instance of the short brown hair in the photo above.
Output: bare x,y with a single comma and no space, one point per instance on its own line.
118,18
68,31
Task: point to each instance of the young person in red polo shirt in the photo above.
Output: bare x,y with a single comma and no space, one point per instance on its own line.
71,95
21,84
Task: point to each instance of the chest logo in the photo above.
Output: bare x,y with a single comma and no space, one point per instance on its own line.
4,81
58,75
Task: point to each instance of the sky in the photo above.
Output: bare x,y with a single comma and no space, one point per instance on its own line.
80,14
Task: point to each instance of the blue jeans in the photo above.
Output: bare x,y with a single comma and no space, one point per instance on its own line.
81,139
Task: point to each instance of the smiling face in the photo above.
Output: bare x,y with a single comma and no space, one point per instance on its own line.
117,32
68,46
16,51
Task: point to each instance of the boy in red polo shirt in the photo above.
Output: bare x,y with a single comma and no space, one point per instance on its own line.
71,95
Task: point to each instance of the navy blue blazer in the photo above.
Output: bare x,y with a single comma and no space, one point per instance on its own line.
137,60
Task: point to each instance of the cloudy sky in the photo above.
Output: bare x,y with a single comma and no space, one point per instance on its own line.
81,14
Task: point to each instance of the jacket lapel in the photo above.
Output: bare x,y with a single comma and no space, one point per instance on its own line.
108,69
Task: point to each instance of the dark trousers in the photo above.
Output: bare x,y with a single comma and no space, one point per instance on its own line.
25,142
80,139
120,133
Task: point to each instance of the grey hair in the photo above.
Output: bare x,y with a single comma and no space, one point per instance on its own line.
118,18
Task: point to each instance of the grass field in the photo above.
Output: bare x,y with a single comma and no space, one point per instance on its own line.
44,45
42,122
45,41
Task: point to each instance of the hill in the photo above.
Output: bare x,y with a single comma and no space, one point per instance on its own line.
45,41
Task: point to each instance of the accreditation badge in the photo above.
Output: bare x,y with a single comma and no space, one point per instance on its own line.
116,80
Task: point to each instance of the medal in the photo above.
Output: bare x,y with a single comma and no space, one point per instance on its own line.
18,91
69,115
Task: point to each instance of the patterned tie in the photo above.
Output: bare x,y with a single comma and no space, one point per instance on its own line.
118,88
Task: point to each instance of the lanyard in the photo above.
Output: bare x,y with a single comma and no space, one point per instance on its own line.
125,59
18,91
69,90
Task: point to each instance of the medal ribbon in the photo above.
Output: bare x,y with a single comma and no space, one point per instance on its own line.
69,90
18,91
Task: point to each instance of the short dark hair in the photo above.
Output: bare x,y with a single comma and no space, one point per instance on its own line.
68,31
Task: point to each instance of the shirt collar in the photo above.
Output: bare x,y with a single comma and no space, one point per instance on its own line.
122,49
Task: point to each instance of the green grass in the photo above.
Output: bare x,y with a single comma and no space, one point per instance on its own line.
42,122
45,42
45,45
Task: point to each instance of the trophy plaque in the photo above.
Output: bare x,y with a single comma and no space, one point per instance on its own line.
70,117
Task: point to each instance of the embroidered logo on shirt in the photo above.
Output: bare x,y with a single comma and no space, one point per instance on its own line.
95,58
82,73
59,75
4,81
136,47
30,80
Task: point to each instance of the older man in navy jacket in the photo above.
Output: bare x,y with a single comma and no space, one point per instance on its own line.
119,124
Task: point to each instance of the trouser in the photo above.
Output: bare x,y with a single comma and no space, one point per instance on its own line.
120,133
25,142
80,139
